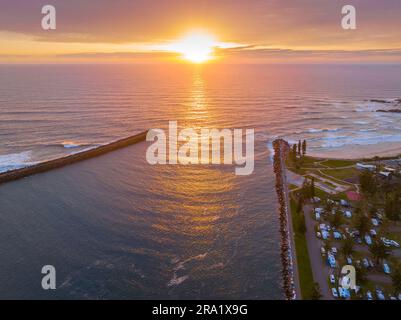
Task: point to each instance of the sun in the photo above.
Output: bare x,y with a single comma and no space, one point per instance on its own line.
195,47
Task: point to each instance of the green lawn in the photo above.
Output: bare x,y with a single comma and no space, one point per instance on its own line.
303,262
336,163
342,174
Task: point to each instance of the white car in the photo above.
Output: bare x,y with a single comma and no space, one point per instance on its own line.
369,295
373,233
349,260
365,263
332,279
380,295
386,268
334,292
344,293
375,222
323,251
368,240
334,250
318,234
394,243
389,243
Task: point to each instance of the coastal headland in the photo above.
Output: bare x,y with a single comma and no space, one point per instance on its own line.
343,213
70,159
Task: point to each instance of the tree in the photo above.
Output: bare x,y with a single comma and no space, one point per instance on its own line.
377,163
347,247
294,153
368,183
304,147
313,193
396,278
316,294
379,251
361,223
306,190
361,275
336,219
299,147
328,206
392,206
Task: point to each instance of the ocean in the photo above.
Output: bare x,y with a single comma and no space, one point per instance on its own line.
115,227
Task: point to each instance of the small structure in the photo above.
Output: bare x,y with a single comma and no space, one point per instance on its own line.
353,196
386,174
362,166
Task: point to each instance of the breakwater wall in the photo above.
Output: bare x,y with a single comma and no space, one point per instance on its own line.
70,159
281,148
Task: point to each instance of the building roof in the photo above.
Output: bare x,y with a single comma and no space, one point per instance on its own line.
354,196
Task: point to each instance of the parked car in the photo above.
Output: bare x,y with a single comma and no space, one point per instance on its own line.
334,250
348,214
337,235
368,240
375,222
318,234
344,293
373,233
331,261
332,279
349,260
390,243
365,263
323,251
334,292
386,268
369,295
380,294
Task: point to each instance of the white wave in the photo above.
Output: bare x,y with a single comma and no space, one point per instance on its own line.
71,144
323,130
15,161
362,141
361,122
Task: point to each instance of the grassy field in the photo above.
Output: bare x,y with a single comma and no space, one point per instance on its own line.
303,262
334,163
342,174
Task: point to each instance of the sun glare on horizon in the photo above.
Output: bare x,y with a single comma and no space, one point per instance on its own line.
195,47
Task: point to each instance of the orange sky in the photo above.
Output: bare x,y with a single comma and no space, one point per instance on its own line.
254,31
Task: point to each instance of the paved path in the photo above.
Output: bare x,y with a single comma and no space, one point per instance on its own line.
320,269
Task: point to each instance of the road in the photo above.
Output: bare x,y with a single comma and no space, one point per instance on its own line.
320,269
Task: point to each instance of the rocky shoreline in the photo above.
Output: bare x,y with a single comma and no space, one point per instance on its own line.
281,147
